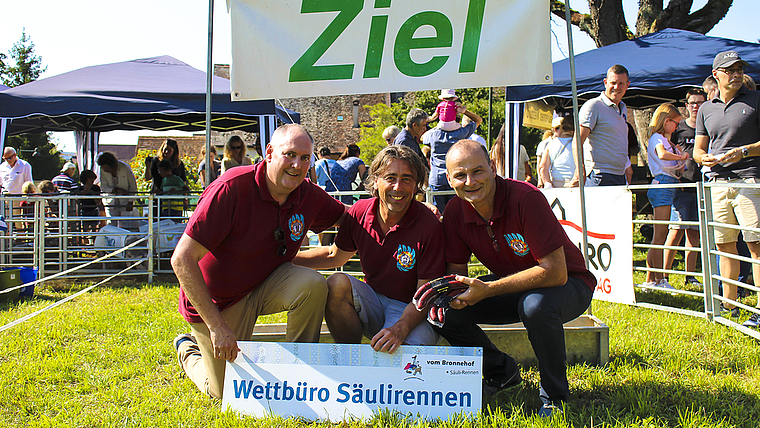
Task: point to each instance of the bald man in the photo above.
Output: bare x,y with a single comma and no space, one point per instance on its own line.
233,262
538,275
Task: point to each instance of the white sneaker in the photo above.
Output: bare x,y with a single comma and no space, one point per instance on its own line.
663,283
646,284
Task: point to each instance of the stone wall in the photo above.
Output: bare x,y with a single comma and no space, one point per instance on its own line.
331,119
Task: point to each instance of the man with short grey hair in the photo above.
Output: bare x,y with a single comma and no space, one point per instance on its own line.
604,133
728,142
416,125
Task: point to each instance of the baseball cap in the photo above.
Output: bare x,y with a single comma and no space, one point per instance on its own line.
728,58
68,165
557,121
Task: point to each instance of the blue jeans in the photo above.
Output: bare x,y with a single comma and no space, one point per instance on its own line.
605,179
662,196
543,311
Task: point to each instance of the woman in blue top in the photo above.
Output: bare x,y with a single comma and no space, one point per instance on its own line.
350,167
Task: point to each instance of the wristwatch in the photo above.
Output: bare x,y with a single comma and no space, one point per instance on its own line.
745,152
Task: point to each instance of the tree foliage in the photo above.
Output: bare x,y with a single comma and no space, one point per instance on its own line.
26,67
137,164
475,99
606,24
36,149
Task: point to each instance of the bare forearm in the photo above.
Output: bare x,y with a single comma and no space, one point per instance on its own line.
529,279
191,280
475,118
322,257
409,319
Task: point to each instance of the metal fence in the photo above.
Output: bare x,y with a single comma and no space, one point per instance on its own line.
51,233
711,279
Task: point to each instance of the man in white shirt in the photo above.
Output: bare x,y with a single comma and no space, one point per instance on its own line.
14,172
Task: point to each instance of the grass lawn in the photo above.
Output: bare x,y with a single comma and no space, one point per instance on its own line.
106,359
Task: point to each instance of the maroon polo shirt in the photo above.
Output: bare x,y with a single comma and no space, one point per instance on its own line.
235,220
393,263
525,229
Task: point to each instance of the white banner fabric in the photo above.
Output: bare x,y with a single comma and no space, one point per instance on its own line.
302,48
610,236
339,381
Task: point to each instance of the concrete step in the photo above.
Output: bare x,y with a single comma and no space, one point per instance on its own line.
586,339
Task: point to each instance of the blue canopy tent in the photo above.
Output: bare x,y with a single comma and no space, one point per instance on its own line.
662,66
160,93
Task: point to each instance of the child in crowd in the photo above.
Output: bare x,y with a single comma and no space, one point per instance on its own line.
171,184
27,206
89,207
666,162
446,111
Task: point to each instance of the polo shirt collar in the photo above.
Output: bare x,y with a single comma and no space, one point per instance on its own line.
742,91
499,205
260,178
406,221
609,102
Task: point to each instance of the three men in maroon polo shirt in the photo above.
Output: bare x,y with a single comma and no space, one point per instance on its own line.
538,275
233,261
401,244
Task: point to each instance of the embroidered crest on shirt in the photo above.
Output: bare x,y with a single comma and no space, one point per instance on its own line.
517,243
405,258
295,224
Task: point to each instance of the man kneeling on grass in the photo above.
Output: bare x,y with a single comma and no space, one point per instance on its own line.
400,242
233,261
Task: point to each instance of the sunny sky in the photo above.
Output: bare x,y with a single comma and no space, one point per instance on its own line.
73,34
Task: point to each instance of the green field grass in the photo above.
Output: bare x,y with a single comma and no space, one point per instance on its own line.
106,359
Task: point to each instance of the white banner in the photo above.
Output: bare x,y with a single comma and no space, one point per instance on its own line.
610,236
338,381
300,48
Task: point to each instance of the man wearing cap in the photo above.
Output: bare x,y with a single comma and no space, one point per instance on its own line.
233,261
65,180
14,172
604,133
728,142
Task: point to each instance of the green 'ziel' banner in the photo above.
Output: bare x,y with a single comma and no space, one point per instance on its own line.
297,48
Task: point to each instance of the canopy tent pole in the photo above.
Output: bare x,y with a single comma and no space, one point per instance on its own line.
209,76
578,143
3,126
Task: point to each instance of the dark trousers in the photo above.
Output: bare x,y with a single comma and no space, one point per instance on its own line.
542,311
606,179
